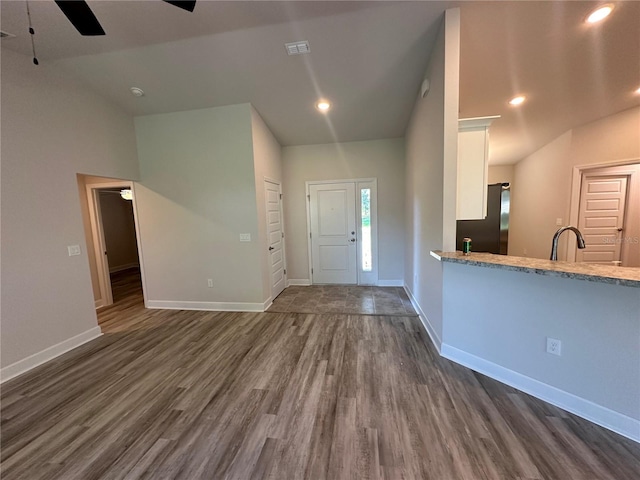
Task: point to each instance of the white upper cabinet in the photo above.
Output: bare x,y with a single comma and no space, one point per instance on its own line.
473,166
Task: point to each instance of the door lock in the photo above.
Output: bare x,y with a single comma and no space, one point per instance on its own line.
352,240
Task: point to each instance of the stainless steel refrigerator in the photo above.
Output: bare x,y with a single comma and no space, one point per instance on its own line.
491,234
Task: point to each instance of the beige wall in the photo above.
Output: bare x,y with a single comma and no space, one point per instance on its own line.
431,158
119,231
197,194
541,196
542,191
53,127
500,174
267,161
382,159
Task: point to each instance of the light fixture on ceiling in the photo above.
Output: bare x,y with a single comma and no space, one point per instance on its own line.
323,105
637,92
519,100
137,92
600,13
126,193
297,48
424,88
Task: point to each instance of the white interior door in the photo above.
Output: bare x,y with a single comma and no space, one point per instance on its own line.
275,243
601,218
332,217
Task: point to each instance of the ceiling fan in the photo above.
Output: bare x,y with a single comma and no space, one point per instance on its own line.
81,16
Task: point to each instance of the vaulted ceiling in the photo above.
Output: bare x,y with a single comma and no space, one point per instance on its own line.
368,58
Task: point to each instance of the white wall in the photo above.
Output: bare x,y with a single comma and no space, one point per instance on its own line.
197,194
431,157
53,127
382,159
119,231
267,161
502,325
542,180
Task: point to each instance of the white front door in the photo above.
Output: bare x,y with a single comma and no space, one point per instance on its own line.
274,237
332,216
601,218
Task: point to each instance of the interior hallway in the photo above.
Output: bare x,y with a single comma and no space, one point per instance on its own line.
167,394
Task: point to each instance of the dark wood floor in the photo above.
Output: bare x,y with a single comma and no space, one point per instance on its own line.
200,395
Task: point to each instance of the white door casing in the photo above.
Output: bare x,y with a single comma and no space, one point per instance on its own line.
332,217
275,238
601,217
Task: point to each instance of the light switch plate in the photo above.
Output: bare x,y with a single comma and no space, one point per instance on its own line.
245,237
73,250
559,222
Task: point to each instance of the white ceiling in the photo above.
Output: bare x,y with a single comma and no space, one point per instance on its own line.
368,58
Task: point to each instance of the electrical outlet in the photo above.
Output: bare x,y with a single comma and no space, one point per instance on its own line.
245,237
210,283
554,346
524,252
73,250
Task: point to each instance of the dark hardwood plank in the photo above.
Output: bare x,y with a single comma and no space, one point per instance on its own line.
201,395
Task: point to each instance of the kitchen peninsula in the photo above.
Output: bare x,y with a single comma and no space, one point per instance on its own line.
500,311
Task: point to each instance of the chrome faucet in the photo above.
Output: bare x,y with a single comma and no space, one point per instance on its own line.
556,237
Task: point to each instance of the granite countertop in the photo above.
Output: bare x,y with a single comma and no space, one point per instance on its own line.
626,276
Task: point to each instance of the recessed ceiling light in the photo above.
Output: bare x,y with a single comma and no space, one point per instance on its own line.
137,92
600,13
519,100
323,105
637,91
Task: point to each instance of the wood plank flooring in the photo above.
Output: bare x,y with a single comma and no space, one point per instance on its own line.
361,300
200,395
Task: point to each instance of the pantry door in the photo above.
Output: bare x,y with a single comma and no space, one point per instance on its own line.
601,218
332,218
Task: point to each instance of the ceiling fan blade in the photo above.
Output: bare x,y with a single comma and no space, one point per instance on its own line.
81,17
183,4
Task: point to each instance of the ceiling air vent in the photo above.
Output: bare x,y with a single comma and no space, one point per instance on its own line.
6,35
297,48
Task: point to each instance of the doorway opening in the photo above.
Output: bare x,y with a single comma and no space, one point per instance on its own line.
342,222
111,230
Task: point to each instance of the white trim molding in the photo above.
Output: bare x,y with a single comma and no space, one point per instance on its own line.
435,339
391,283
305,282
610,419
208,306
32,361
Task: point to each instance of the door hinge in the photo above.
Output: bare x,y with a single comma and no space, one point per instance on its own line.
280,196
285,271
282,234
309,197
312,271
309,236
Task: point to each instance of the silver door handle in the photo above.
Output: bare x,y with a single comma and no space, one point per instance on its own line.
271,248
352,240
620,229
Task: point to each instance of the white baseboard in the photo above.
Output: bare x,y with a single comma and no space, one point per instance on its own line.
120,268
47,354
266,304
99,303
208,306
391,283
614,421
305,282
435,339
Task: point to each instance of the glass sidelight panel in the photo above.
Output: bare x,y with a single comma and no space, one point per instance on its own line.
365,229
